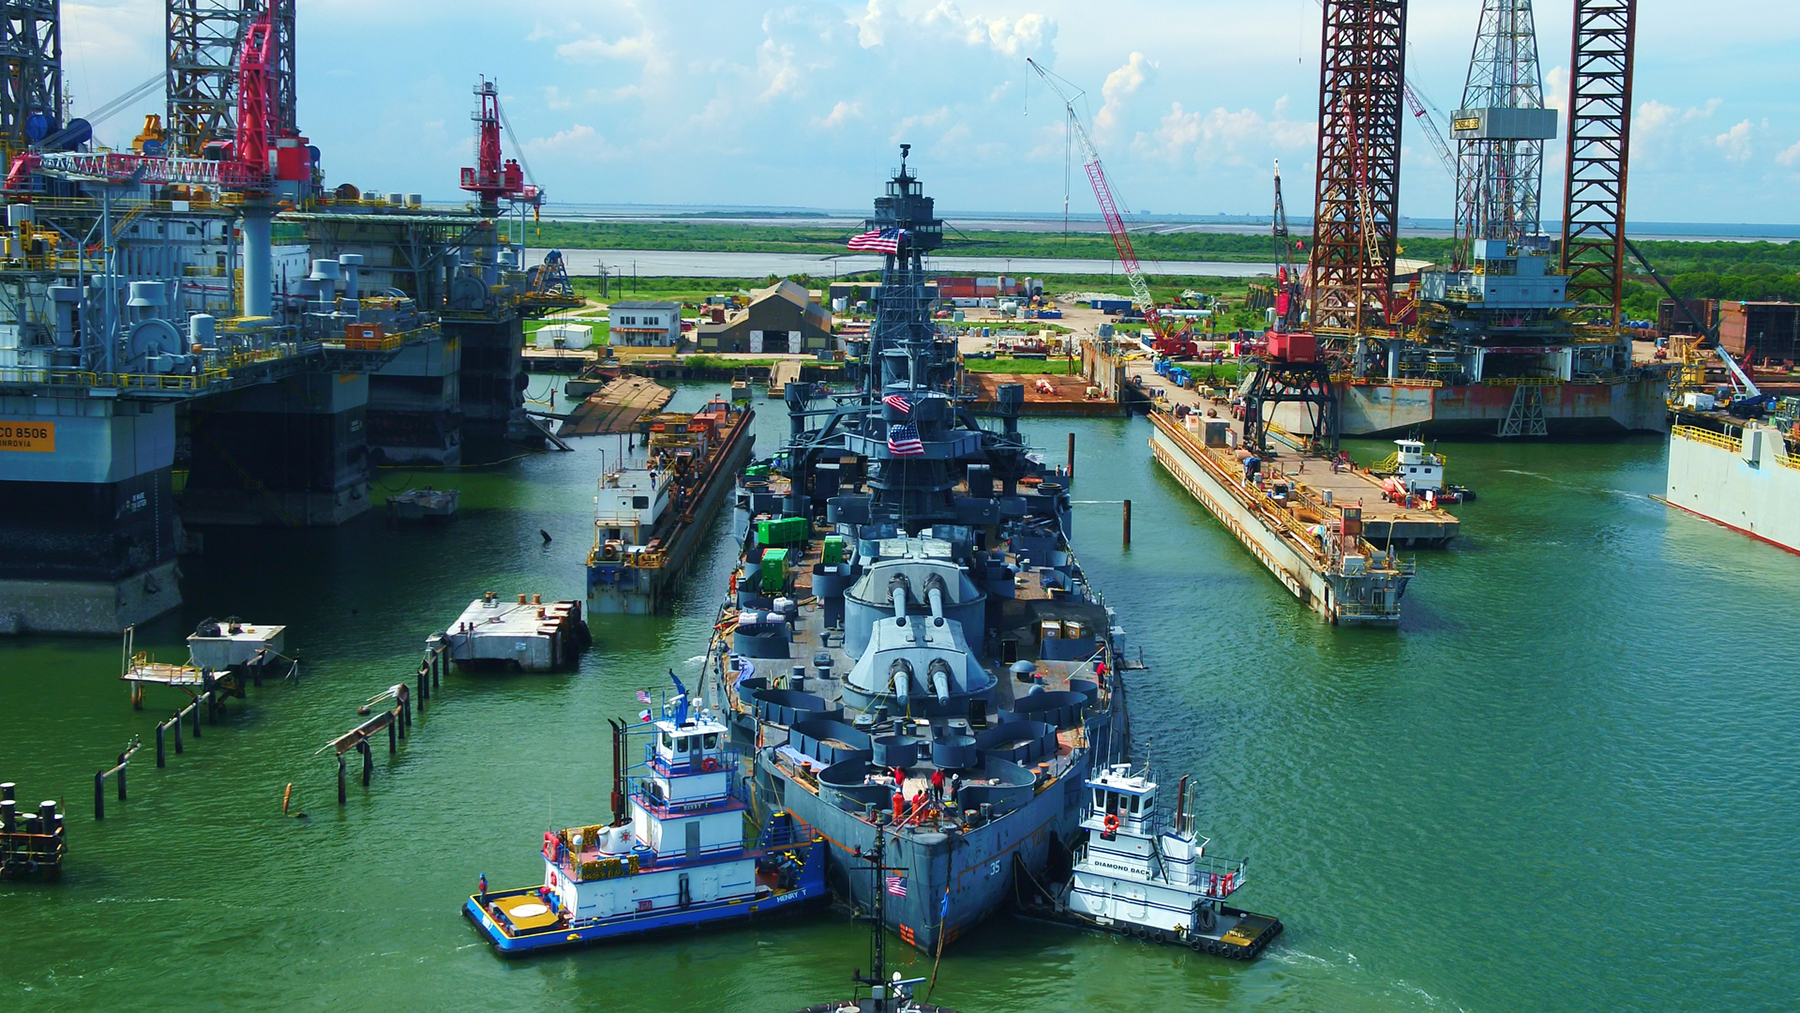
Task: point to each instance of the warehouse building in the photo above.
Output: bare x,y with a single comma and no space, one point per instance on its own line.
781,318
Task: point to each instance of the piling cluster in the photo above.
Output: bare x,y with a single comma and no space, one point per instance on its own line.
31,843
395,718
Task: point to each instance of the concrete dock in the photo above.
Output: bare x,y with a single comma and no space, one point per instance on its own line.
529,636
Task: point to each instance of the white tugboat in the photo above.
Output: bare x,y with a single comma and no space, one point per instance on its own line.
675,855
1144,875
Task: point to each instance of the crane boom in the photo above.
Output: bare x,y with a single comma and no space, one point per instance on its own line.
1428,124
1109,209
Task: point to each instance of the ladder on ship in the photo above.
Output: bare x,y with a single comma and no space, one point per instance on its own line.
1526,414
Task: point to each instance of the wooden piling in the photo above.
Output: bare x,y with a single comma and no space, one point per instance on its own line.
176,723
368,756
160,762
99,794
342,798
435,656
1127,523
424,686
393,746
1071,456
196,709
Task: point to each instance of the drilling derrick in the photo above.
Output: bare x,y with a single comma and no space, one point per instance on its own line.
30,74
205,39
1362,71
1500,130
1593,254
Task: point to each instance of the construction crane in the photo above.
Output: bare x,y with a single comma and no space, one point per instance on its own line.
1287,279
1109,209
491,179
1429,127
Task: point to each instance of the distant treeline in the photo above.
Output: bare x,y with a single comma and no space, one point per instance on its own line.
1695,270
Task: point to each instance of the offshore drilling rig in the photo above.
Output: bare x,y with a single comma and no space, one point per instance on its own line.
202,302
1519,334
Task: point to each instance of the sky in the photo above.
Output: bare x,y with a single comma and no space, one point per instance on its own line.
803,104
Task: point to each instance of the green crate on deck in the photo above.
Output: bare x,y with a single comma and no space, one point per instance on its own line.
774,570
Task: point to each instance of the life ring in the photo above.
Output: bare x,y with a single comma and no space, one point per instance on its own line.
1112,823
709,765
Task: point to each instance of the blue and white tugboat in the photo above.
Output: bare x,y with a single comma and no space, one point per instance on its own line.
910,639
674,857
1142,874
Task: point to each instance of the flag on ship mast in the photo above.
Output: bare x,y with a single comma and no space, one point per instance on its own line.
878,241
896,885
903,440
899,403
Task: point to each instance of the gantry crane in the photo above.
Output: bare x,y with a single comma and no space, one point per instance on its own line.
1288,289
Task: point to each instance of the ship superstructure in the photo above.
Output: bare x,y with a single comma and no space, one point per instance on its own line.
910,639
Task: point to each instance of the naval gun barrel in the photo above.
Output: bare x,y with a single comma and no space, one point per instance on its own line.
900,676
939,670
898,588
934,592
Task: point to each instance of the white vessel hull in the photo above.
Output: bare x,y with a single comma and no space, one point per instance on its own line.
1752,487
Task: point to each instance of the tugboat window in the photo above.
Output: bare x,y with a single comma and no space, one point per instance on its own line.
667,742
712,740
681,744
640,502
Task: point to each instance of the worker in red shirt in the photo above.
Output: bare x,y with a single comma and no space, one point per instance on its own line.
937,785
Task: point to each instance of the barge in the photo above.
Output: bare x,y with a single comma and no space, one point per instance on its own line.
1739,473
675,855
522,636
1315,545
650,516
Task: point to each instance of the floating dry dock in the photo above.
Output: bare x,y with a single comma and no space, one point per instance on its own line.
1314,541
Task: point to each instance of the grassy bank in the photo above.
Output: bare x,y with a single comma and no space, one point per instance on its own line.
1045,367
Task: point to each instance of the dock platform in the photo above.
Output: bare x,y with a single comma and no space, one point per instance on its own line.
1067,396
1318,549
782,373
616,408
528,636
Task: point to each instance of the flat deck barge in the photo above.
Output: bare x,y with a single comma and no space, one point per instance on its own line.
617,407
1317,548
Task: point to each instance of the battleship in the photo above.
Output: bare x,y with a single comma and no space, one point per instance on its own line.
910,640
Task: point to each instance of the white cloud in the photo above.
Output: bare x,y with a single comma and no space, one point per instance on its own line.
578,136
839,115
1790,156
1022,36
1735,143
1120,84
1225,136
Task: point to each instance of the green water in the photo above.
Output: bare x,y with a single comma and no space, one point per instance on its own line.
1571,781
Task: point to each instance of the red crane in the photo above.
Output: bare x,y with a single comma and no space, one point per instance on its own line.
1109,209
491,179
256,103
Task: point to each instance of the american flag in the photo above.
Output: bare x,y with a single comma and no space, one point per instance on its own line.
899,403
878,240
896,885
903,440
